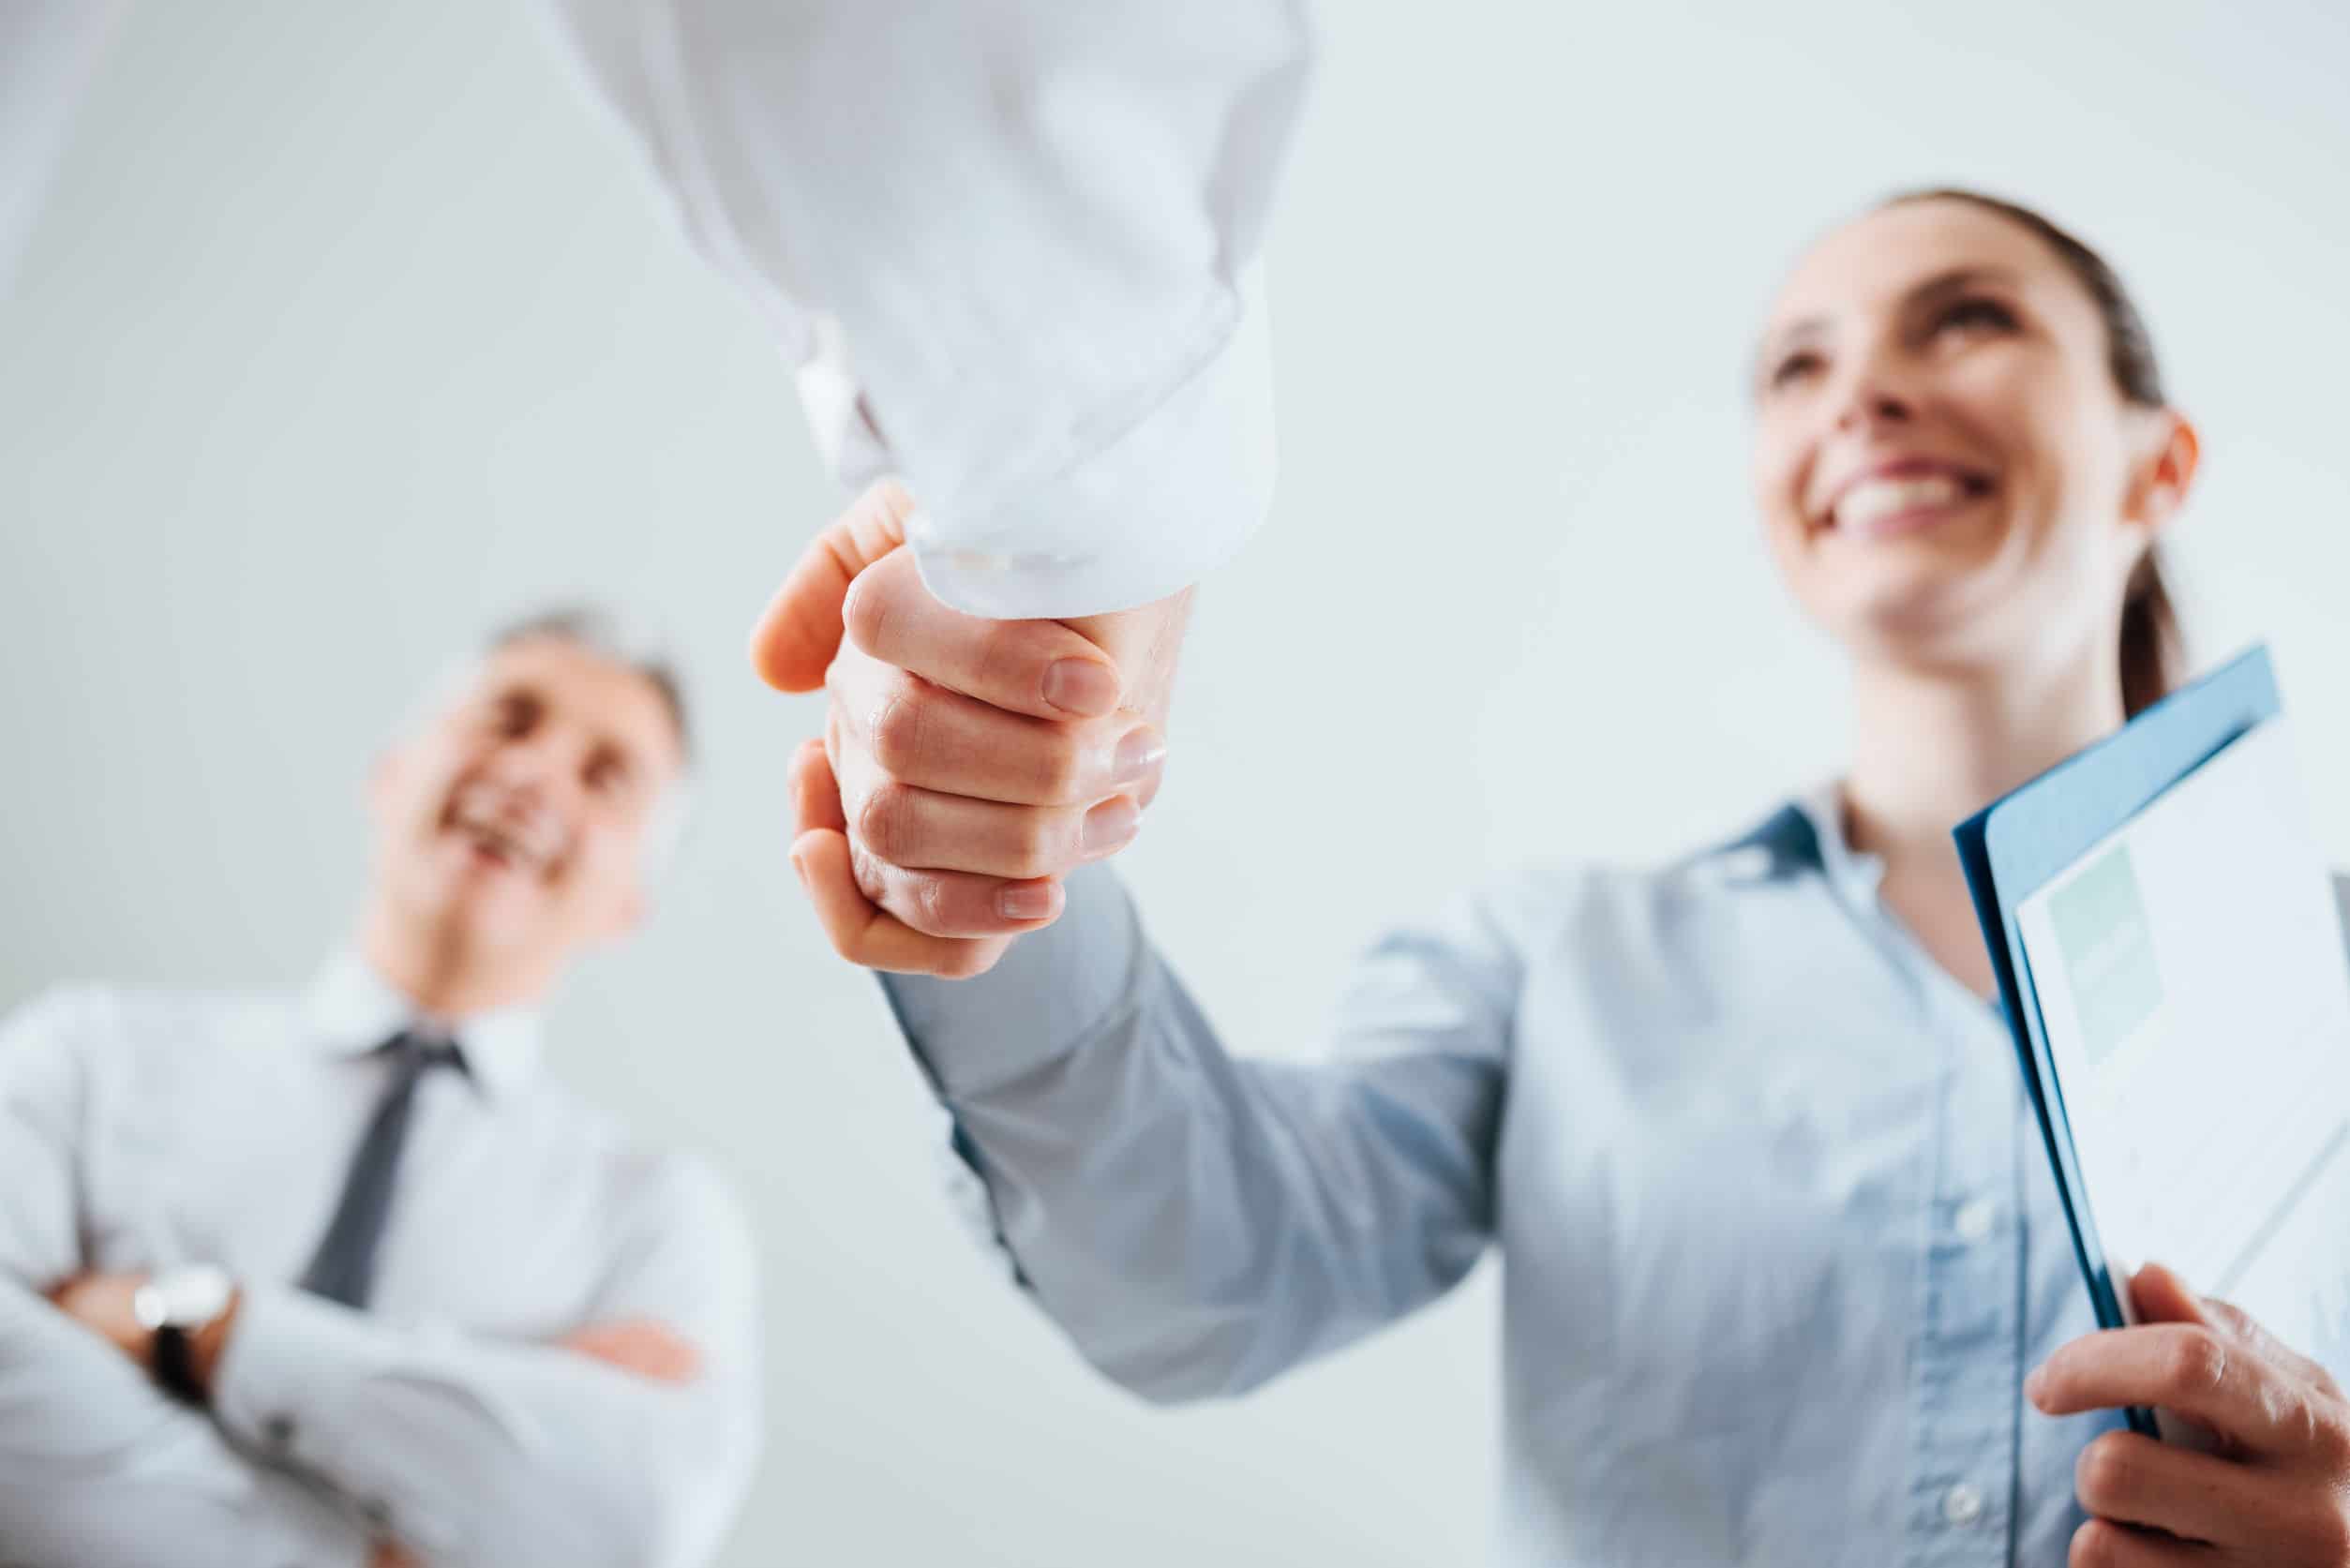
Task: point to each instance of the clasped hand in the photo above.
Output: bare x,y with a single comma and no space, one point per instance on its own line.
967,765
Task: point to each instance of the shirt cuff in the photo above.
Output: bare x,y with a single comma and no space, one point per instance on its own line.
1052,992
273,1388
1143,516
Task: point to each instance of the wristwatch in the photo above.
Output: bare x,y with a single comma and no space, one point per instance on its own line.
170,1306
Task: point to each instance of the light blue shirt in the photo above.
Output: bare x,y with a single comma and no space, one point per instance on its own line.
1779,1238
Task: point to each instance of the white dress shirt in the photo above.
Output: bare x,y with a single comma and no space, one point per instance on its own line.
1009,243
142,1132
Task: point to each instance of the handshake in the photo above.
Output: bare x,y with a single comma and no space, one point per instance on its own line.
967,765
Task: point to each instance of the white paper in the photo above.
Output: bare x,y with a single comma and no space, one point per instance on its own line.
2194,984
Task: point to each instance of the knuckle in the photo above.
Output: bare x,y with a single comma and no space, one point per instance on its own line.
898,729
885,821
867,872
933,910
1040,846
2196,1362
2102,1475
1060,768
1001,662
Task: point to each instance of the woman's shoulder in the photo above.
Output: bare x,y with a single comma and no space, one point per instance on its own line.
1580,901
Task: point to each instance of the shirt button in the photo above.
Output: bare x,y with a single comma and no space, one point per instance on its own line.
278,1430
1975,1218
1962,1504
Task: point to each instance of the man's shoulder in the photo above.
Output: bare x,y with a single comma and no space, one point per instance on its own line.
112,1015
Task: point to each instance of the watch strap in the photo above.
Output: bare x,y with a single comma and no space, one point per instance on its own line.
176,1364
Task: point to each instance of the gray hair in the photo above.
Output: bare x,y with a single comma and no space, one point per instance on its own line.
595,630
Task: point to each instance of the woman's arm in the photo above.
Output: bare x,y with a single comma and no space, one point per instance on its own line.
1196,1222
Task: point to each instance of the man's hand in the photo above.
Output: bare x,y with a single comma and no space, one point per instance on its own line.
2278,1491
967,764
638,1345
101,1304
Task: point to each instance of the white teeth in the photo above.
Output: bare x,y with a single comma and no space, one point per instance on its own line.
533,843
1872,499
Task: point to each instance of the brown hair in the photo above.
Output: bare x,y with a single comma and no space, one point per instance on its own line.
2153,647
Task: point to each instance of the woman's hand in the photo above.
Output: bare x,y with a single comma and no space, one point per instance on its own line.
2277,1493
967,764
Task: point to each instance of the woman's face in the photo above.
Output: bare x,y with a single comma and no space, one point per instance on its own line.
1948,474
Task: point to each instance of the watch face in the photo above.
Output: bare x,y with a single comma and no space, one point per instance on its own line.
190,1296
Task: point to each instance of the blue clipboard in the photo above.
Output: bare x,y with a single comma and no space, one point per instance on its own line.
2021,841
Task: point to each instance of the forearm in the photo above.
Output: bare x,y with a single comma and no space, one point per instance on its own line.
472,1453
1196,1223
99,1470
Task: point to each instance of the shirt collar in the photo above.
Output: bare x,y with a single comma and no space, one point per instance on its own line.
352,1010
1804,835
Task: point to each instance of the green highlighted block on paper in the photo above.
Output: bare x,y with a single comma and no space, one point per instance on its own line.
2108,952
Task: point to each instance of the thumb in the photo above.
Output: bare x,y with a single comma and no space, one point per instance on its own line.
800,630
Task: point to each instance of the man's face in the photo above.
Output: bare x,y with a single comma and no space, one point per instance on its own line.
514,822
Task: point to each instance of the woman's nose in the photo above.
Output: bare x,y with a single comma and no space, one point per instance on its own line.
1872,404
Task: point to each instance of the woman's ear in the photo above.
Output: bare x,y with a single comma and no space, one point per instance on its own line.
2168,455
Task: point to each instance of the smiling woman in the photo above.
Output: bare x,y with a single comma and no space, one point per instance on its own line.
1780,1248
1971,302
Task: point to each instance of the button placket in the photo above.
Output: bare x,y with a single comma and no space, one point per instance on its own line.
1963,1387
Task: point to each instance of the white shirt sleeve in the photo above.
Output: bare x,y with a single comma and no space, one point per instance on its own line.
475,1453
1009,246
97,1468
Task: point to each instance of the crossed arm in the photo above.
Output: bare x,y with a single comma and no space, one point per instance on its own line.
336,1438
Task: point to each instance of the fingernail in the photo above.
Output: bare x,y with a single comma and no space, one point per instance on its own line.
1109,825
1027,900
1086,687
798,866
1140,751
2033,1381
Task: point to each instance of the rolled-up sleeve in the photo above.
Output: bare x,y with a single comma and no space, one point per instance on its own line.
1199,1222
1009,246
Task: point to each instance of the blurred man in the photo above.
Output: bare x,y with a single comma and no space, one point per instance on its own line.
338,1276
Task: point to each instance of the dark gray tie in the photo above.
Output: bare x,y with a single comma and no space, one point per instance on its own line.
343,1268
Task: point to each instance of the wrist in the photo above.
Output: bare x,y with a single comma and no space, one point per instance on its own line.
206,1343
186,1315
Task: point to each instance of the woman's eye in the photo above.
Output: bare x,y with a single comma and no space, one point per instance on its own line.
1795,368
1975,313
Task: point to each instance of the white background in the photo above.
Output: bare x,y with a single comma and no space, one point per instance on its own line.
348,328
